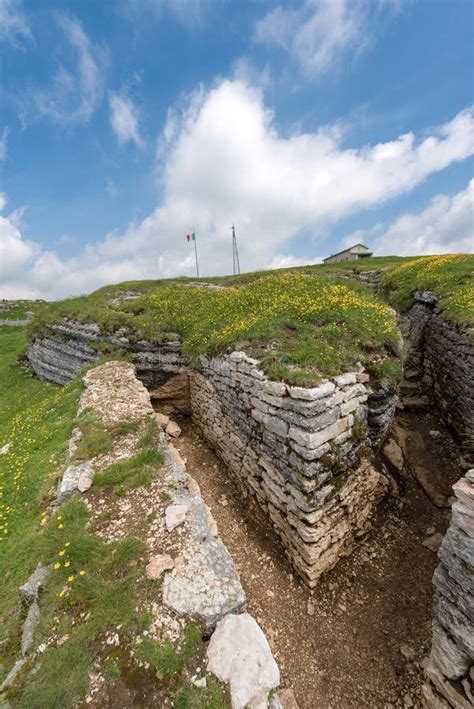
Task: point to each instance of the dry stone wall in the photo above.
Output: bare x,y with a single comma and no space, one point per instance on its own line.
450,670
444,358
302,453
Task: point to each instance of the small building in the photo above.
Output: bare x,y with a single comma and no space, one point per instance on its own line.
353,253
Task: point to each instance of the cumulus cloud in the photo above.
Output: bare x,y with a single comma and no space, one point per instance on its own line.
319,33
225,163
446,225
124,119
14,25
75,92
16,254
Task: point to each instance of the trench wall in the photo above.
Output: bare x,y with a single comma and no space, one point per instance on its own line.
449,671
444,357
302,454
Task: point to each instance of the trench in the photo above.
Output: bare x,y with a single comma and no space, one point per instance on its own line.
359,638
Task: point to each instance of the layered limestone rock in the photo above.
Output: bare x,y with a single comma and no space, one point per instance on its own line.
70,346
449,671
300,452
442,356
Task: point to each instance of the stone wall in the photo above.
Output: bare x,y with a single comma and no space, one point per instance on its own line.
450,671
302,453
443,357
70,346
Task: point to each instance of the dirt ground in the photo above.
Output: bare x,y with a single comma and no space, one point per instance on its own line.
359,638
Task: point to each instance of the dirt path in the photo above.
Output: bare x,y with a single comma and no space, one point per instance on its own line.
358,640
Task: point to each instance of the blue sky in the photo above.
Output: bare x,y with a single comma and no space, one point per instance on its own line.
309,124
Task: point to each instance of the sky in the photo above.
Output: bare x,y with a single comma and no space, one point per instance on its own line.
309,124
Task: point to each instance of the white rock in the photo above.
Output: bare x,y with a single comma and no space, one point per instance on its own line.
239,653
175,515
4,449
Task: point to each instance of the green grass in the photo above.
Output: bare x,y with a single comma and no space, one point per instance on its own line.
214,696
169,659
18,309
94,586
132,472
37,418
98,437
449,277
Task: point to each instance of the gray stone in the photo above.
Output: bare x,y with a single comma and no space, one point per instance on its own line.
447,655
319,392
69,483
11,676
346,379
315,440
175,515
29,627
31,587
205,585
239,653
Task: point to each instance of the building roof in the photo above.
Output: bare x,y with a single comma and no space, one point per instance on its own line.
344,251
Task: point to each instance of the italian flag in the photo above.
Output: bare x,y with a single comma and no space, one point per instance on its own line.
191,237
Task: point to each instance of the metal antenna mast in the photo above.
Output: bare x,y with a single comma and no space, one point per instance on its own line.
235,253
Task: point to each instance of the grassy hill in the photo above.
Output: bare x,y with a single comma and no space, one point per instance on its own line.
302,323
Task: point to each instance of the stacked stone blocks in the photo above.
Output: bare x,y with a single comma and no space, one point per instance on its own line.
301,452
449,671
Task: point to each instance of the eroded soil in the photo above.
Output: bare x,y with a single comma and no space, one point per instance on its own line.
359,638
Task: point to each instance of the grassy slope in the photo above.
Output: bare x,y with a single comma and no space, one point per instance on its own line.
303,323
302,326
449,276
94,586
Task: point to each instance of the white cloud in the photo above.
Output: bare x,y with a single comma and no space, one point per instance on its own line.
290,261
3,144
75,93
445,226
13,22
226,163
319,33
124,119
16,255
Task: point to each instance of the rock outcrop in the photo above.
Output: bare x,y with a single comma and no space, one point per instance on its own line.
70,346
449,671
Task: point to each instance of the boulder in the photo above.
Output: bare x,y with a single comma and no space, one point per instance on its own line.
30,588
204,585
239,653
69,484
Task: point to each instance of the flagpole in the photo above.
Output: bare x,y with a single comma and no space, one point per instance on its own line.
196,254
